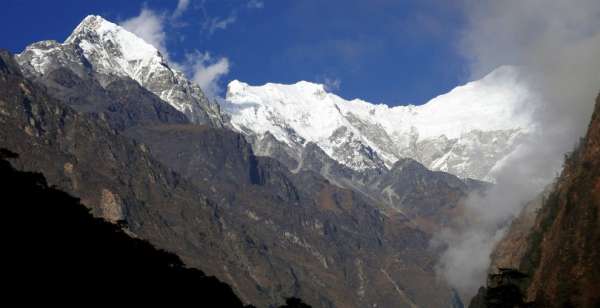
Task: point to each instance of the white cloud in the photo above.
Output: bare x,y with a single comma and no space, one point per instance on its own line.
150,27
556,46
215,23
206,71
256,4
200,67
182,6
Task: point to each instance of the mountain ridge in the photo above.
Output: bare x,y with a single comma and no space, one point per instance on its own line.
355,133
444,134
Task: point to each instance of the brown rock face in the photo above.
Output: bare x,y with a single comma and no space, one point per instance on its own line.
557,247
563,258
111,206
509,252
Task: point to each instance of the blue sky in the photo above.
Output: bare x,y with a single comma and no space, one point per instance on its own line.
389,51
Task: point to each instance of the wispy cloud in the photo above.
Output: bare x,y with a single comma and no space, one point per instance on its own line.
212,24
255,4
182,6
332,84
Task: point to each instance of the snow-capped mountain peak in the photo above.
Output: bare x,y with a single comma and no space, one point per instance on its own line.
107,50
300,89
296,114
118,50
133,47
465,132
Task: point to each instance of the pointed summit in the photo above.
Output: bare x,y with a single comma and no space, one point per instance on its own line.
111,51
88,24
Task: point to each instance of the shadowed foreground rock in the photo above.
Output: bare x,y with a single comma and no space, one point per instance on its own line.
54,250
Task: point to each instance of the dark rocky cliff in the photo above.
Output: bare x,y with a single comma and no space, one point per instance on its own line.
558,252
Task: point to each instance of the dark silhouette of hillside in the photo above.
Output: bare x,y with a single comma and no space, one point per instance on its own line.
54,250
294,302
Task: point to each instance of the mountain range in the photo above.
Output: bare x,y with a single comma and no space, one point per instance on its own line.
277,190
466,132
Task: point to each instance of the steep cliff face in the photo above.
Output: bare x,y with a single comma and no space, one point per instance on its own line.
511,249
563,258
555,240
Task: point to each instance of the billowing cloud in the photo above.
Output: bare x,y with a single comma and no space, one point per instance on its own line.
206,71
555,45
150,27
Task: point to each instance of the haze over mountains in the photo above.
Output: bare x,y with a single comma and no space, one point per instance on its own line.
278,190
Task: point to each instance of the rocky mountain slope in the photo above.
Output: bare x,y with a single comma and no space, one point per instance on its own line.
466,132
201,193
560,256
320,205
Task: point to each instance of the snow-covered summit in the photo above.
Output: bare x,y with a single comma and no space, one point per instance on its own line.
465,132
111,50
116,50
